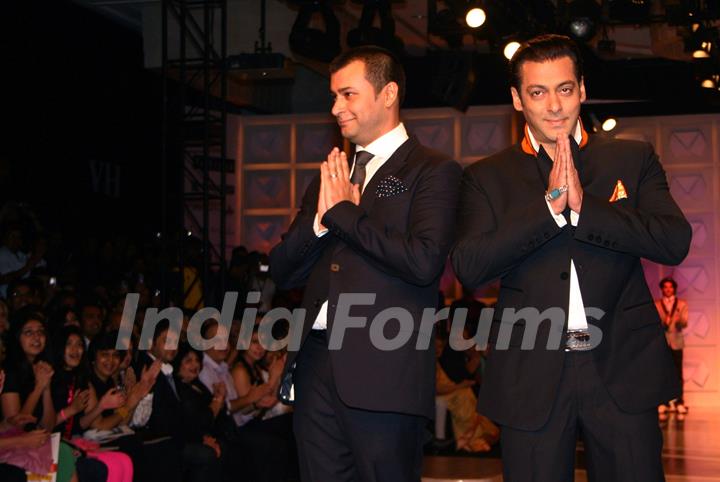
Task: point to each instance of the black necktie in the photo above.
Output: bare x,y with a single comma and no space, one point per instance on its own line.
361,160
171,382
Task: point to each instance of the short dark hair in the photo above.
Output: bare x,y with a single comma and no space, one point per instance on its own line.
103,341
381,67
161,327
668,279
183,350
542,49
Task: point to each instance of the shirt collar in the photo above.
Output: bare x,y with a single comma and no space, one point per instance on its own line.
213,365
165,368
385,145
531,146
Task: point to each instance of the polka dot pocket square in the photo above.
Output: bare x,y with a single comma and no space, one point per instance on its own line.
390,186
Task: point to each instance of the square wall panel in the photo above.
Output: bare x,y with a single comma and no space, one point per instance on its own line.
303,178
435,133
484,136
702,327
703,234
315,141
700,369
692,189
267,189
687,143
261,233
696,279
266,143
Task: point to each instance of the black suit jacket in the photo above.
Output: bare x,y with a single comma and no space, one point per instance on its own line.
166,414
506,231
394,246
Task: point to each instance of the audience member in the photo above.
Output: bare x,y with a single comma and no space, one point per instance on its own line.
91,320
473,431
14,263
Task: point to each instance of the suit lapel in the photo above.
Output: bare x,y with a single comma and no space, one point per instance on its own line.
396,161
544,166
577,157
392,165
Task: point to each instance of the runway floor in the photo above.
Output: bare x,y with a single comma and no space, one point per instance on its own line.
691,453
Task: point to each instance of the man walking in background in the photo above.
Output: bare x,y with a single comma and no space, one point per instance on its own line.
673,313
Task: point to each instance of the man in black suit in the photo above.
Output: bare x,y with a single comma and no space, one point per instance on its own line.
197,462
563,220
382,227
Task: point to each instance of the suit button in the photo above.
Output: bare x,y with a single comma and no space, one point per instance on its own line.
564,275
334,267
317,303
598,239
590,237
606,243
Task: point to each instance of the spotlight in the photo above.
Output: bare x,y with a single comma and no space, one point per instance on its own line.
510,49
609,124
367,34
708,84
311,42
583,16
701,40
582,28
475,17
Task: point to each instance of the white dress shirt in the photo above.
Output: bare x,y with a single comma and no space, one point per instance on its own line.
382,148
668,303
576,309
212,373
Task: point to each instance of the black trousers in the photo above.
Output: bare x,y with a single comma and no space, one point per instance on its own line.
677,356
619,446
201,464
337,443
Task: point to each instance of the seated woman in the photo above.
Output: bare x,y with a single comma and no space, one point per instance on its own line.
27,383
257,385
76,404
473,432
200,408
12,437
257,394
105,362
105,365
27,387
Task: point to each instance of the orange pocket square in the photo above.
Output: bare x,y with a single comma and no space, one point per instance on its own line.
619,192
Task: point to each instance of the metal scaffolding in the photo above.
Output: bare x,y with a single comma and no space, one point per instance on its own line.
194,73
